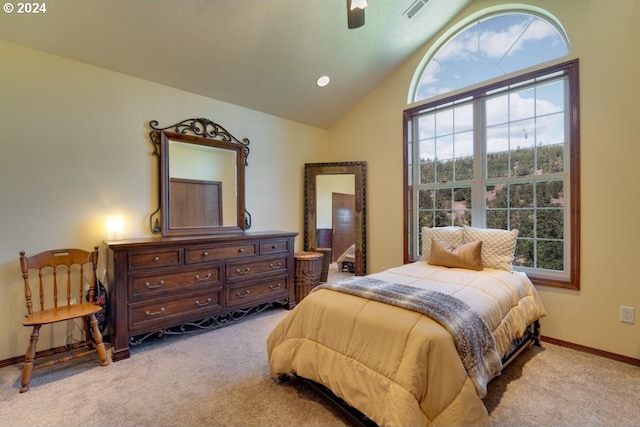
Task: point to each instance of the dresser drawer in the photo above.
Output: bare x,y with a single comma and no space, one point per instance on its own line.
249,269
274,246
155,259
158,313
250,293
171,282
216,252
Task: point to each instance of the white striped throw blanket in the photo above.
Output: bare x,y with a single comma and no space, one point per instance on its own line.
473,339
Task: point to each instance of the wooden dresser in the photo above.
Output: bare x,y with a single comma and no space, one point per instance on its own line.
180,284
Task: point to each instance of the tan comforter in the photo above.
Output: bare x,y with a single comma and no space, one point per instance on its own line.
396,366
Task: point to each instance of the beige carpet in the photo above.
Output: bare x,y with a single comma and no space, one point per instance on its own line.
335,274
220,378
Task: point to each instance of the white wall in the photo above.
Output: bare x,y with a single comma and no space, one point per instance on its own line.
602,36
75,149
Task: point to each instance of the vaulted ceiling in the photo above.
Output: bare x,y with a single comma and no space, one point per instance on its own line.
265,55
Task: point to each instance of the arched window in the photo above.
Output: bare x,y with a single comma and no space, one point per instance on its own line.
489,48
495,141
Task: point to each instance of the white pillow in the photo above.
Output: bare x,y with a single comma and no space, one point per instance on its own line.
498,246
449,234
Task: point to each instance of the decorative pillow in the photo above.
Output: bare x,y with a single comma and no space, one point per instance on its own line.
450,234
498,246
467,255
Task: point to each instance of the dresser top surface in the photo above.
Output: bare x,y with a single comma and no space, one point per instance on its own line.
214,238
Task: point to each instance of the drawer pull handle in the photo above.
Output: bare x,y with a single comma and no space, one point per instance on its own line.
244,294
274,246
274,266
241,250
272,286
246,270
155,313
156,259
202,304
205,253
150,286
208,276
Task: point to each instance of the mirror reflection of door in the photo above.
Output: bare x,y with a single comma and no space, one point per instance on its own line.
203,186
343,210
335,219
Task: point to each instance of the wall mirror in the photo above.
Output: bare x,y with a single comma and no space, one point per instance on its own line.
201,179
334,210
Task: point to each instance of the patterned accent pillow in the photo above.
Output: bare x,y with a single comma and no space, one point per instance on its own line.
498,246
450,234
466,255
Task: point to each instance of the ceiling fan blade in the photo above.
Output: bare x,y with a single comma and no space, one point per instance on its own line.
355,17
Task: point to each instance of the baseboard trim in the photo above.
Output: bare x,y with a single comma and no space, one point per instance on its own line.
11,361
43,353
594,351
624,359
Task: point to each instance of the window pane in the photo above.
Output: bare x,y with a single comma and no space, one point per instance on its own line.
427,126
521,195
550,223
549,194
497,219
464,156
549,255
539,42
444,199
427,172
522,104
497,151
444,122
462,206
427,161
444,155
522,220
496,196
522,134
551,129
496,110
425,199
524,253
442,218
462,198
463,116
462,218
550,97
550,159
425,220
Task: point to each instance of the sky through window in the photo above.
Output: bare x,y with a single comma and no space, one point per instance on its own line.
490,48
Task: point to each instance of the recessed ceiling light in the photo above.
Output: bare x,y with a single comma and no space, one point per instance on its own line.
323,81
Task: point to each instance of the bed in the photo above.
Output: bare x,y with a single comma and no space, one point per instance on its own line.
385,345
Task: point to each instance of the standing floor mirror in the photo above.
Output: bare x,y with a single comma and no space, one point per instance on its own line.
335,210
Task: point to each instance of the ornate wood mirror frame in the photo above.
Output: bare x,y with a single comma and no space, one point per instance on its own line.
359,170
201,179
